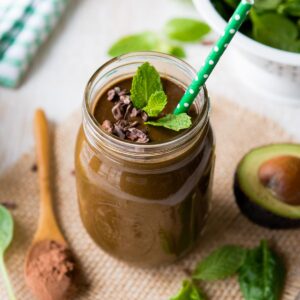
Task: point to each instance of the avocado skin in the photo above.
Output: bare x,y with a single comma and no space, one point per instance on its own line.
259,215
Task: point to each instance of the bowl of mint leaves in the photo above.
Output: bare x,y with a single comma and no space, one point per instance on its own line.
268,44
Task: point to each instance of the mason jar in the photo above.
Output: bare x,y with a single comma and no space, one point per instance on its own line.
144,203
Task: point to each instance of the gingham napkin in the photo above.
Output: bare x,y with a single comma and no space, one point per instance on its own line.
24,26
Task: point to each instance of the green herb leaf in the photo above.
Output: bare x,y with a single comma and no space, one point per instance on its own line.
173,122
145,82
189,291
290,7
177,51
266,5
186,30
145,41
6,235
156,104
221,263
6,229
261,277
274,30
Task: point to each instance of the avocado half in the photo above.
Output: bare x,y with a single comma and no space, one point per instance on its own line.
256,201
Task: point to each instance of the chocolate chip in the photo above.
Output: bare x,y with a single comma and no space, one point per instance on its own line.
128,111
117,90
9,204
125,99
117,111
111,95
133,124
144,116
107,126
134,112
123,92
34,168
137,135
118,131
122,124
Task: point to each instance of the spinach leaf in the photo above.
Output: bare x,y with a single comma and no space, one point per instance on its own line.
265,5
290,7
6,235
189,291
186,30
221,263
274,30
261,276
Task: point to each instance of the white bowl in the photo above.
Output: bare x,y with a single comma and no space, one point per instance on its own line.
274,72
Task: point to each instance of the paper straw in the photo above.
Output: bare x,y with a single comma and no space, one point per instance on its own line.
232,27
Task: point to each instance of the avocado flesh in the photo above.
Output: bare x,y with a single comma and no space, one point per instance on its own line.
249,188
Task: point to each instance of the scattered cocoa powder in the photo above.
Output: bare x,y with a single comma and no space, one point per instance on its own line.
50,271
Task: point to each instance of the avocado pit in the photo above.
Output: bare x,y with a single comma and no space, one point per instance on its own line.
281,175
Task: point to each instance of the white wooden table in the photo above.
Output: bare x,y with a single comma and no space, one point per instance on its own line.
78,46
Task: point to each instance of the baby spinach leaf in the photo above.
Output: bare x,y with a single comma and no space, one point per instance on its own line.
156,104
173,122
145,82
265,5
290,7
189,291
145,41
261,276
186,30
6,235
274,30
177,51
221,263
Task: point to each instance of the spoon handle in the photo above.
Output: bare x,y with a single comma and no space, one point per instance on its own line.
47,226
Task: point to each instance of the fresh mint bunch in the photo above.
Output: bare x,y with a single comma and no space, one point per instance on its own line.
175,32
147,94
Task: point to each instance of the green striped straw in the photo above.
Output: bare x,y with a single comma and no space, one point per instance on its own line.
232,27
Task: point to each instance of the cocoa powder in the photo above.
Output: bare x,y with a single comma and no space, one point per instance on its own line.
50,271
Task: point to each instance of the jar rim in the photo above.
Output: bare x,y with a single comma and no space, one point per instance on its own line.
92,126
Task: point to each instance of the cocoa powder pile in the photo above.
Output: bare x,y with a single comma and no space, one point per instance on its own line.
50,271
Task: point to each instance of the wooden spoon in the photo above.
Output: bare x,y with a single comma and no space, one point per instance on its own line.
49,250
48,228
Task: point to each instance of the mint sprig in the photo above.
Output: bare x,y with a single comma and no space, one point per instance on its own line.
145,82
147,94
173,122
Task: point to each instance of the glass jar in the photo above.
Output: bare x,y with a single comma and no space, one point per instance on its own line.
144,203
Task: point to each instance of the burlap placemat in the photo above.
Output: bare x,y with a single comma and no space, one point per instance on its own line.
237,130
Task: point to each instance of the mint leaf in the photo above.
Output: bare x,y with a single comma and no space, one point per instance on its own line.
156,104
220,264
262,274
189,291
186,30
173,122
145,41
145,82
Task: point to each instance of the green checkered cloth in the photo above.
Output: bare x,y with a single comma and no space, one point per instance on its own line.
24,26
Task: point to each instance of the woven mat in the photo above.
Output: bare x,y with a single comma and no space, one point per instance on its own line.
236,132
